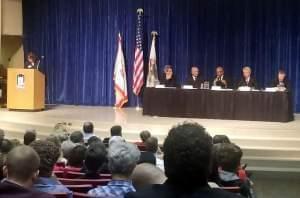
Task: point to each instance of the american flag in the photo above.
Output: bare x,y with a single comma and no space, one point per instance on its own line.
138,68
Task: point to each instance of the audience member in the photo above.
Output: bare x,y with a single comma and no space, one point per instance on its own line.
48,153
146,174
114,131
95,159
6,146
61,162
76,157
187,157
148,156
229,160
29,136
88,131
21,168
122,159
144,135
93,140
15,142
75,138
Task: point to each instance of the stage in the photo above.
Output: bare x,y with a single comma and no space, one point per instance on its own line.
267,146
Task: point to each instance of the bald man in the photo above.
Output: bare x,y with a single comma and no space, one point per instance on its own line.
247,80
146,174
21,170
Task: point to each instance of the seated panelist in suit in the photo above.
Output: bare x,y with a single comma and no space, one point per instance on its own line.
247,80
220,79
281,81
32,61
194,78
168,77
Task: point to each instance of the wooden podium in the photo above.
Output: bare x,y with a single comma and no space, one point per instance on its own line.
25,89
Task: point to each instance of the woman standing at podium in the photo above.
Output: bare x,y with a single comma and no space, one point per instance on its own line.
32,61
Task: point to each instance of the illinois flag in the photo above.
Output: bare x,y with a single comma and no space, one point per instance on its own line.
120,77
152,77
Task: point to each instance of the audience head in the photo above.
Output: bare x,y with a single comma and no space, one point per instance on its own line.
93,140
229,157
66,148
22,165
88,127
77,155
151,144
195,71
95,157
146,174
281,75
15,142
6,146
246,72
220,139
116,131
187,155
122,159
29,136
54,139
76,137
219,71
48,153
144,135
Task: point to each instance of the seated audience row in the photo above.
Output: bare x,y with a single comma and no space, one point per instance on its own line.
183,171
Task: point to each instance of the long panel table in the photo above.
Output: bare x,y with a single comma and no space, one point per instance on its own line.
231,105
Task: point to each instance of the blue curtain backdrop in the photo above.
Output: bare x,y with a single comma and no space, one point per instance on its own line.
79,41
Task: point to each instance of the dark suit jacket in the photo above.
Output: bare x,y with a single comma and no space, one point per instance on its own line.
275,82
147,157
168,191
11,190
220,83
252,83
168,83
196,83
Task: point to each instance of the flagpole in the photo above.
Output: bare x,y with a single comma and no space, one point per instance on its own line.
137,108
139,11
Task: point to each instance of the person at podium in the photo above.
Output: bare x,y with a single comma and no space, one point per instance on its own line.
281,81
32,61
247,80
194,78
168,77
220,79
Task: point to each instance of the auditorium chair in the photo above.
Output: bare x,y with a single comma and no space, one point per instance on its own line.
93,182
60,174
